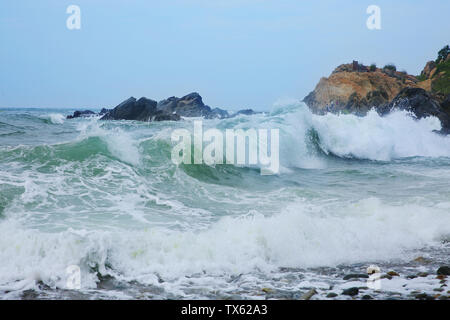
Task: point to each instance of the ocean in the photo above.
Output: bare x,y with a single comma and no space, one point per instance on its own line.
104,196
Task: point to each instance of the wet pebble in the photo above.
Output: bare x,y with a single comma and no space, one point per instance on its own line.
356,276
422,274
351,292
308,295
424,296
444,270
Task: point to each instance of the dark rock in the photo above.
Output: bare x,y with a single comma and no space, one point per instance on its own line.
190,105
367,297
331,295
356,276
446,104
132,109
104,111
172,108
245,112
81,114
351,292
29,294
141,110
444,271
421,104
424,296
218,113
166,117
416,100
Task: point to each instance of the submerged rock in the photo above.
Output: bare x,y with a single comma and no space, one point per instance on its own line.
351,292
421,260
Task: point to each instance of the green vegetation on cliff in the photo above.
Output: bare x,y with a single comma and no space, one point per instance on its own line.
441,78
438,73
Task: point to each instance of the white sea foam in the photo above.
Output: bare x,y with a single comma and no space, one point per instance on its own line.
120,143
139,223
394,136
299,236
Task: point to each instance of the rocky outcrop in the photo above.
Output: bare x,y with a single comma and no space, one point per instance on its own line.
356,90
141,110
190,105
170,109
353,88
429,70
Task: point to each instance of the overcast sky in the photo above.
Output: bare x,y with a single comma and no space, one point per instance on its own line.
236,54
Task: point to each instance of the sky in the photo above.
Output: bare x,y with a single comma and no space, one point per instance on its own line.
236,53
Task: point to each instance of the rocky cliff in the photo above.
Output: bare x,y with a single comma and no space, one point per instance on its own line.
355,88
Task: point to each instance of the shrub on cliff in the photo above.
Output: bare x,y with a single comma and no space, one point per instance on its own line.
442,54
390,67
373,67
441,76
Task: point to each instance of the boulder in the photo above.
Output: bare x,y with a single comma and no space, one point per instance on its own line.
81,114
351,292
141,110
444,271
190,105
